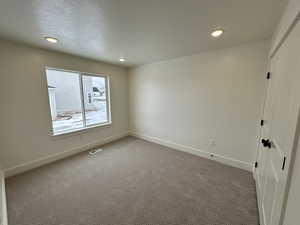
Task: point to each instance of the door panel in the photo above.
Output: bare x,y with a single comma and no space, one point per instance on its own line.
271,180
280,115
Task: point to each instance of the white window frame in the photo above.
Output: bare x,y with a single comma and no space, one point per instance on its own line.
108,104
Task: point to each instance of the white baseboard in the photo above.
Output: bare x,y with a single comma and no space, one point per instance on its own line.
195,151
51,158
3,209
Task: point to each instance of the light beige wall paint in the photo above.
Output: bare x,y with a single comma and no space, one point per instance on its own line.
191,100
25,119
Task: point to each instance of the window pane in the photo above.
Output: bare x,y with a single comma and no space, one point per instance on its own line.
65,101
95,102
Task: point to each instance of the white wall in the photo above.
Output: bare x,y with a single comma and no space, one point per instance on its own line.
214,95
25,133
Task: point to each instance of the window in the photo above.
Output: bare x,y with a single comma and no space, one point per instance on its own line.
77,100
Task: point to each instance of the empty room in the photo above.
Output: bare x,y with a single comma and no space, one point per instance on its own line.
149,112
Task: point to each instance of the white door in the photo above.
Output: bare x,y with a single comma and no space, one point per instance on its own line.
279,129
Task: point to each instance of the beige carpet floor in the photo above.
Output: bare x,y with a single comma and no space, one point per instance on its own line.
133,182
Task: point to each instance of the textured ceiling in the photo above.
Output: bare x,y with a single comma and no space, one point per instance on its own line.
141,31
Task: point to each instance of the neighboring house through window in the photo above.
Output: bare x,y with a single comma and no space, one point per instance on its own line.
77,100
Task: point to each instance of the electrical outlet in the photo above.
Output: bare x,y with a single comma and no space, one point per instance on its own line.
212,143
95,151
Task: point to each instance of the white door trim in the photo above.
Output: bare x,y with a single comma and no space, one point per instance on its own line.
3,213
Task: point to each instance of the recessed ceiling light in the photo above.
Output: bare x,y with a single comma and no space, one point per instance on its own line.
217,33
51,39
122,60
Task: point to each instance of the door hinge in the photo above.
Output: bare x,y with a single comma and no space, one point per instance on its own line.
268,75
256,164
262,122
283,163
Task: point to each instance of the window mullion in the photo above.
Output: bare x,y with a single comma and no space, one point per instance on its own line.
82,100
108,106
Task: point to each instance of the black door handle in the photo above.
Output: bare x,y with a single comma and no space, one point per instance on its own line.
266,143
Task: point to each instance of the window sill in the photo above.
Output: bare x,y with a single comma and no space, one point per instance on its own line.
80,130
